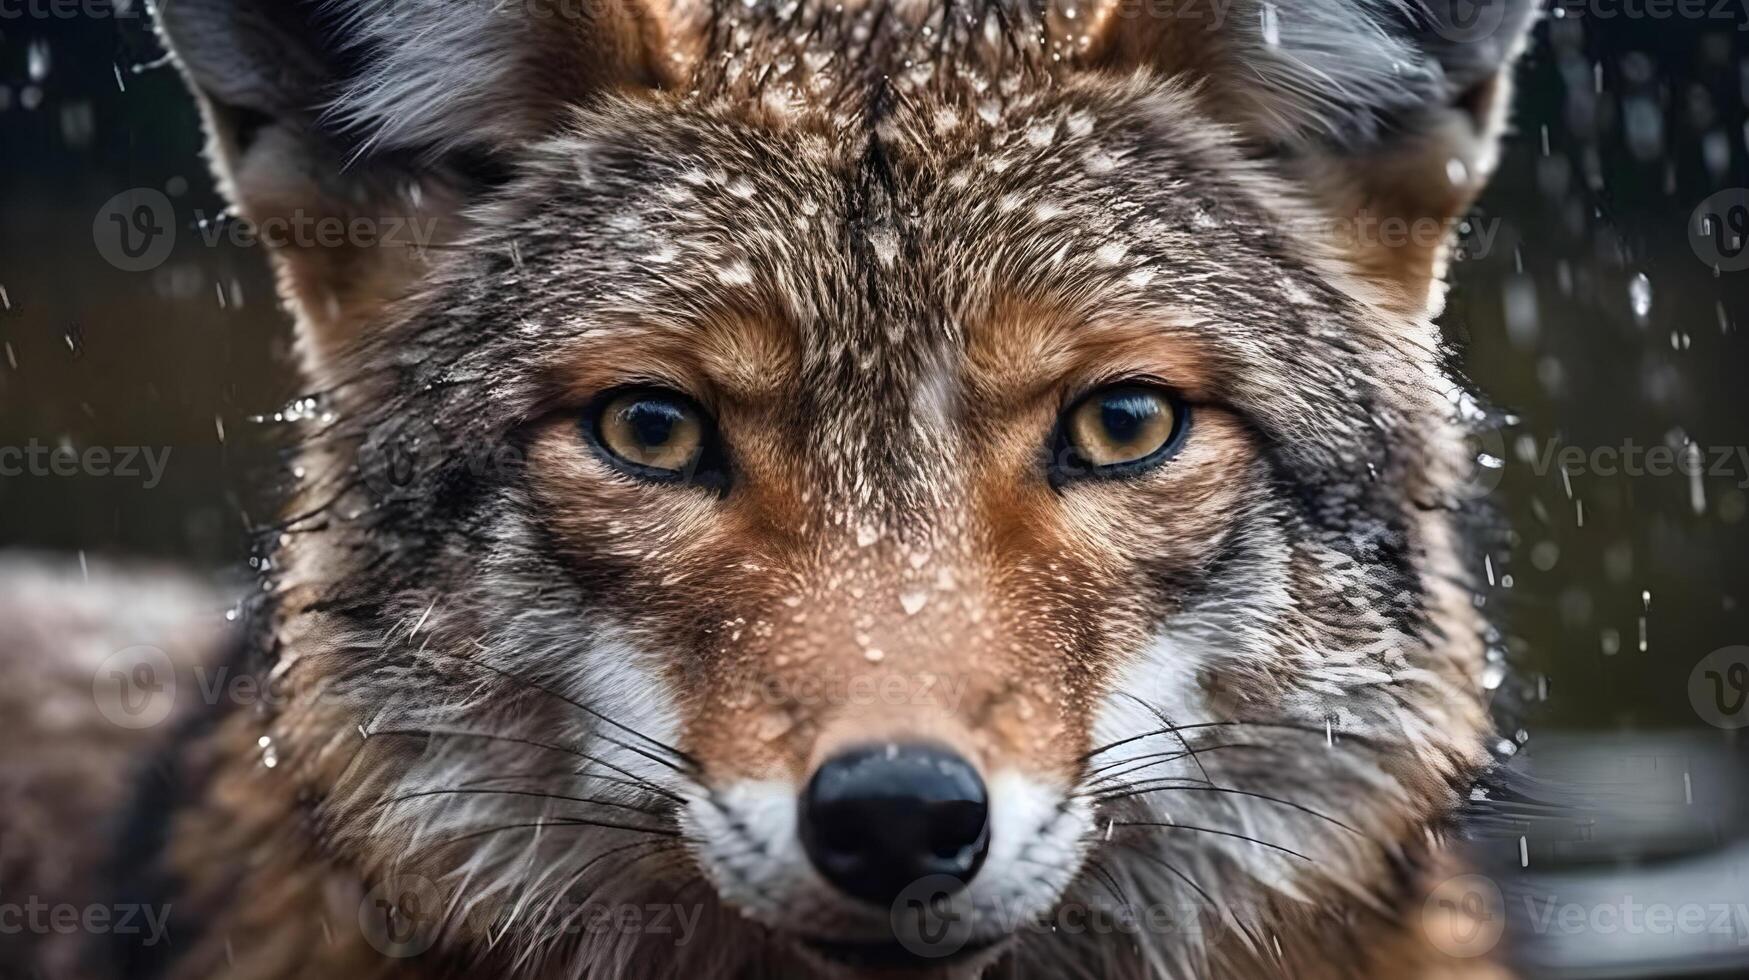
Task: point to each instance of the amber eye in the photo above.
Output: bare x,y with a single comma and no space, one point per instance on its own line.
655,434
1120,429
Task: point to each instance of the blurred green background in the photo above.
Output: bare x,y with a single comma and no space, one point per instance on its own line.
1589,316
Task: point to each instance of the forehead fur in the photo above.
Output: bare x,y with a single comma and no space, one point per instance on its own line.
864,253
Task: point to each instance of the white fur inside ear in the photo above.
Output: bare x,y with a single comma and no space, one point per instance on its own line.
1315,70
1320,68
442,75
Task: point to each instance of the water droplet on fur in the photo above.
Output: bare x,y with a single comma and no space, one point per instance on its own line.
1111,253
773,725
1493,676
885,244
1271,25
735,274
1640,296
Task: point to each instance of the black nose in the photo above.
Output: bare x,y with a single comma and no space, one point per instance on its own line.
876,819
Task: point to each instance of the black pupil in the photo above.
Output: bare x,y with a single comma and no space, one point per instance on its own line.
652,423
1125,415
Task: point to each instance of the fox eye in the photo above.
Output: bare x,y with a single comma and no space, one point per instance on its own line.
1120,429
654,434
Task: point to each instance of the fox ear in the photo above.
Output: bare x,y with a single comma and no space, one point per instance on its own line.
377,121
1388,113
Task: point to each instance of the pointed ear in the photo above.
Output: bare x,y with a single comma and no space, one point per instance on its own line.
1388,113
352,133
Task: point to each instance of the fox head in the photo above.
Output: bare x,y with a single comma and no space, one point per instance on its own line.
836,461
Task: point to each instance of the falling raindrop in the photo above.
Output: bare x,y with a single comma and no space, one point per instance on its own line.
37,60
1493,675
1640,296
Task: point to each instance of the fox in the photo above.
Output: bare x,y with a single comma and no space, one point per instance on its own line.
880,488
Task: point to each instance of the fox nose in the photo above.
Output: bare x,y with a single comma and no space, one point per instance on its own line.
876,819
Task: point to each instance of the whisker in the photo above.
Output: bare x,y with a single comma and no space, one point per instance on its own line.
691,763
1128,794
1236,723
533,743
559,823
1214,906
632,807
1169,866
1104,773
1107,879
1176,732
1163,825
575,878
554,774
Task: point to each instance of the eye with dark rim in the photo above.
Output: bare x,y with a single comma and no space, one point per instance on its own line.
1119,430
657,435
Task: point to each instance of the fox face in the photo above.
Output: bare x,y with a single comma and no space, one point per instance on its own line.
854,467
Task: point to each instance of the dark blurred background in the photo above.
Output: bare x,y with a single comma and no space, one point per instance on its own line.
1588,309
